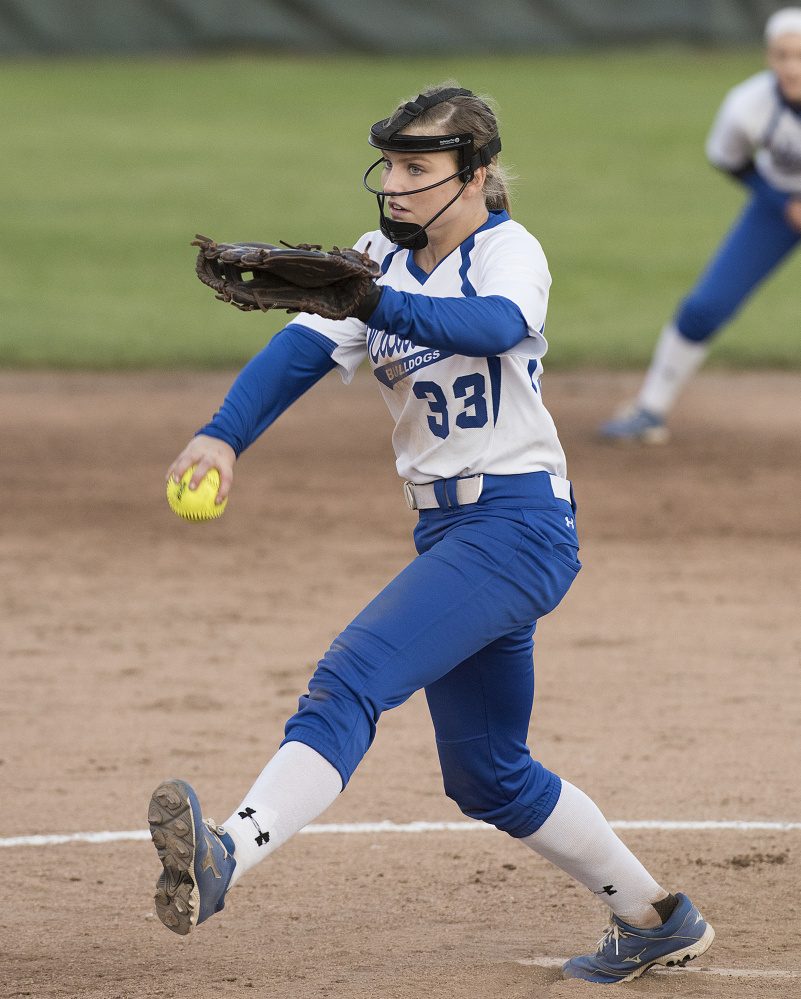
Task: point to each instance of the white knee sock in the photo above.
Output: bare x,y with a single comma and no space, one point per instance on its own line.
296,786
578,839
675,361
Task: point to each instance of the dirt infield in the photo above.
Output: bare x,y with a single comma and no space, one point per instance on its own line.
137,647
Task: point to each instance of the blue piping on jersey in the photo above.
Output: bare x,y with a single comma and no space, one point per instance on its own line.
388,259
496,217
494,365
466,248
532,370
416,271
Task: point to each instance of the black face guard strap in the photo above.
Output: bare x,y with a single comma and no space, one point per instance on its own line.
411,110
483,156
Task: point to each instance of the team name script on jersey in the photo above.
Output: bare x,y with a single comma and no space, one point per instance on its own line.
381,344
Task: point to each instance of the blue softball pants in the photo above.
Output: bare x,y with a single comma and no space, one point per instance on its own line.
458,622
757,242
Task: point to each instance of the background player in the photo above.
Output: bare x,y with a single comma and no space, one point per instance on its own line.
454,336
756,138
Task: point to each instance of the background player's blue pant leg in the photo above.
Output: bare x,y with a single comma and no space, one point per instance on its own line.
756,244
480,576
481,712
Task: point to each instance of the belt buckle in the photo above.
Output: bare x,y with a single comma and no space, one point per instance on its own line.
408,495
469,489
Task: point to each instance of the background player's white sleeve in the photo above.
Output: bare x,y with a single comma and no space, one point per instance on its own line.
731,142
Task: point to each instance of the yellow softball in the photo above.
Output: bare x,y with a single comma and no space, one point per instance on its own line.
196,504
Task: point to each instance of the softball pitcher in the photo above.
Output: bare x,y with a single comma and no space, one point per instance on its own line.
756,138
455,340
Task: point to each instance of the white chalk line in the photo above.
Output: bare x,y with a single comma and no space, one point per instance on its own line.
421,827
401,827
557,962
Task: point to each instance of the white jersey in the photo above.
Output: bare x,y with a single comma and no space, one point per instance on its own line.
456,415
754,123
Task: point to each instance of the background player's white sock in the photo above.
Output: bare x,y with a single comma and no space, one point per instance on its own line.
675,361
296,786
578,839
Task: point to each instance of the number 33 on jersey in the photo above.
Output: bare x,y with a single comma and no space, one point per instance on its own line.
457,415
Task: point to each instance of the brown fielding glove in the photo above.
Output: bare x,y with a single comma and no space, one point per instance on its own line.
300,278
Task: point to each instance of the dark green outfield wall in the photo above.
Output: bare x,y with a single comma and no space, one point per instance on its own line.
95,27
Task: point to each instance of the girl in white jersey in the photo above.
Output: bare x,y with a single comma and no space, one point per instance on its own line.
453,331
756,138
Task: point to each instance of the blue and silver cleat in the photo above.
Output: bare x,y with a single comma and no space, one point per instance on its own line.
634,425
624,952
197,855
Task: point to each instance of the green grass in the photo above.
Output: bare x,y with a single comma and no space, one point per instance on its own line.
110,168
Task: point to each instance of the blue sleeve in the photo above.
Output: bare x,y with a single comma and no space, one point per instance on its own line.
293,361
761,188
476,327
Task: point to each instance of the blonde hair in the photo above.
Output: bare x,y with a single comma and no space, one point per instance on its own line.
467,114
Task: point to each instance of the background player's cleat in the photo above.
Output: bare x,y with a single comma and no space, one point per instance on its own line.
633,424
625,952
198,858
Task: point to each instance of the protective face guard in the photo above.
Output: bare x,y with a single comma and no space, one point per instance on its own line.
408,235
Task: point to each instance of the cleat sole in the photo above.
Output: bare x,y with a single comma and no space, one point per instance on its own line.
689,953
679,958
172,832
